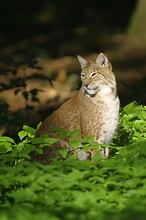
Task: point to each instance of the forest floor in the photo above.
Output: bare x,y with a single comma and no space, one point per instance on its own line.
58,79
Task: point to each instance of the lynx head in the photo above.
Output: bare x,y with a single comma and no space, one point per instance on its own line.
97,76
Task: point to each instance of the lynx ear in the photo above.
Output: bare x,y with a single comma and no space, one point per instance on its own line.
102,60
82,62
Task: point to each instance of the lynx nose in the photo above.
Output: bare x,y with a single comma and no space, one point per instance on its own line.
86,85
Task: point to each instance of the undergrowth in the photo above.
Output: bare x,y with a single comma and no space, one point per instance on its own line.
113,188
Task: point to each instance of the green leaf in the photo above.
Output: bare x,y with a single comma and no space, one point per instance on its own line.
6,145
63,152
128,107
51,140
29,129
42,140
6,139
39,125
22,134
74,133
39,150
75,143
88,139
62,136
60,130
97,156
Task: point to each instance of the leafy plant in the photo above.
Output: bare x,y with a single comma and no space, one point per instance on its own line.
114,188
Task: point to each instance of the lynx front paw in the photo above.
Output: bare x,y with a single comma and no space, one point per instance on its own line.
82,155
92,151
104,152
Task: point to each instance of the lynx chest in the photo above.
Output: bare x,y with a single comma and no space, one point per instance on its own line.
99,117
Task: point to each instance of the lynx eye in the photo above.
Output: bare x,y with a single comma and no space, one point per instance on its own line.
93,74
82,75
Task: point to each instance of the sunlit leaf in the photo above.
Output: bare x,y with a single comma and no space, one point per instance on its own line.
75,143
29,129
74,133
63,152
22,134
6,139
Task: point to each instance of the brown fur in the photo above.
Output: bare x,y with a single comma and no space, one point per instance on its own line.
94,109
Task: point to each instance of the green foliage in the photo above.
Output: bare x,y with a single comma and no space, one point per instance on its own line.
114,188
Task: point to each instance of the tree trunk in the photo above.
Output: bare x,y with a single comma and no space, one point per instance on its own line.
137,28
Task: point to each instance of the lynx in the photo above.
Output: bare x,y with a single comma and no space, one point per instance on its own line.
94,110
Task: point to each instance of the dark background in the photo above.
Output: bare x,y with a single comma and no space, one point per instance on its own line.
52,25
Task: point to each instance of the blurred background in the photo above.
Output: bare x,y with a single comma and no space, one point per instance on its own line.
39,42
